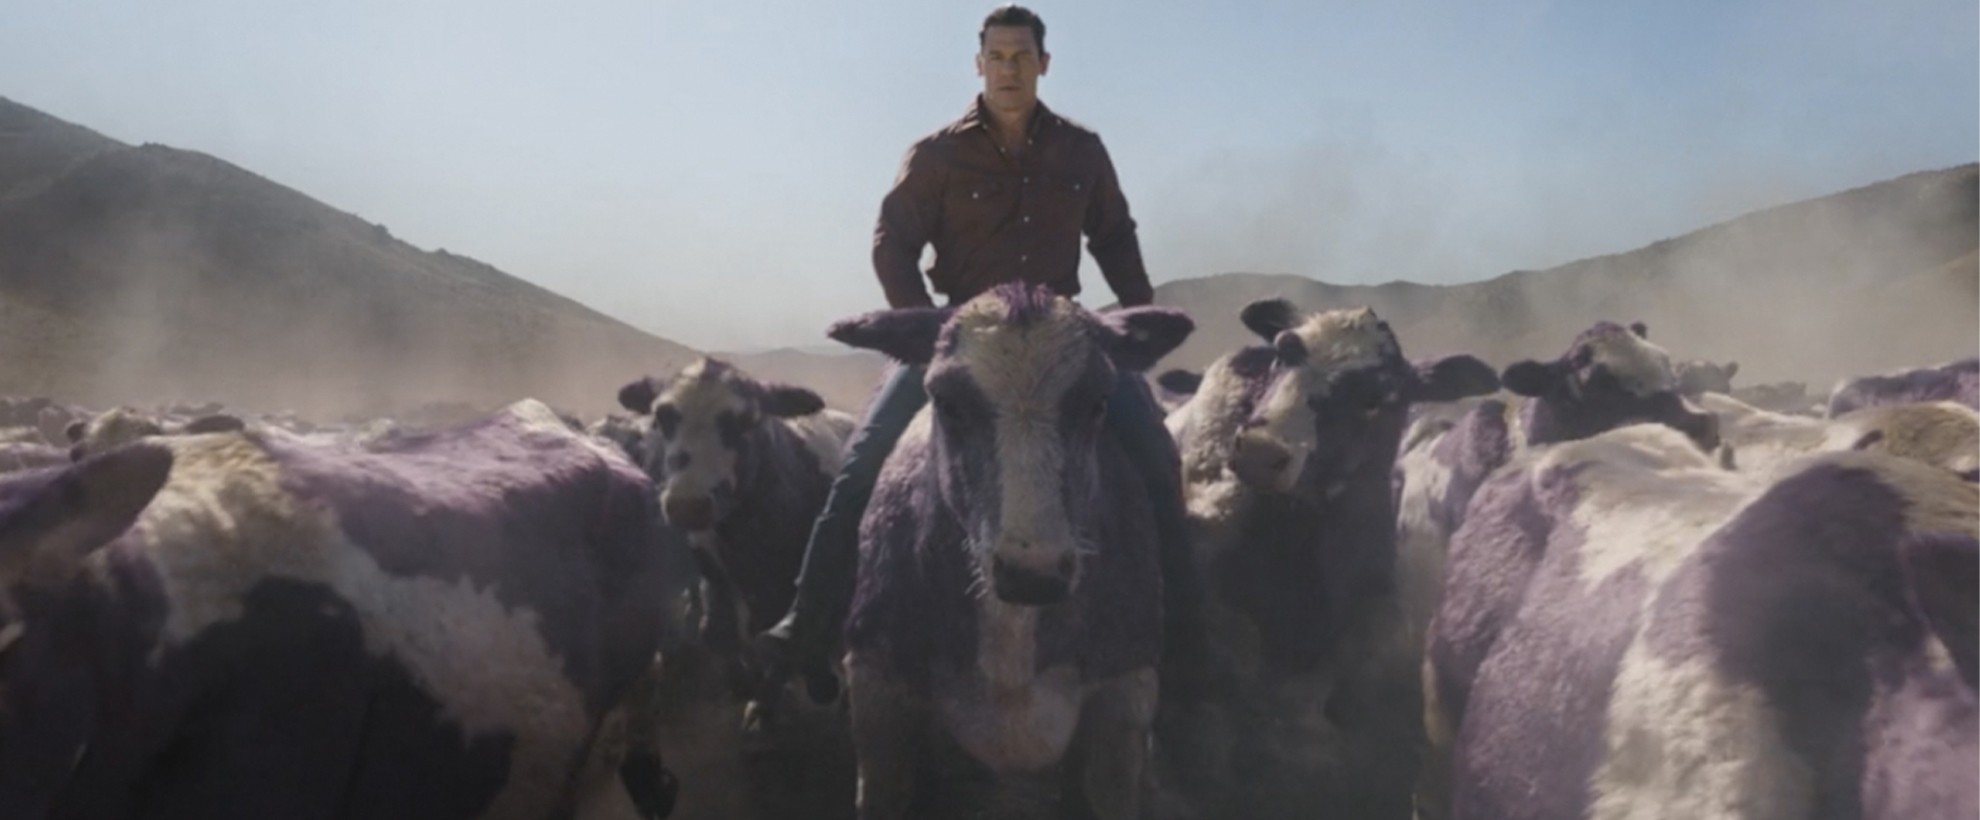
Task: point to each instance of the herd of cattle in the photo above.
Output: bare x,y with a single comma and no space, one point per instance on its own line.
1602,586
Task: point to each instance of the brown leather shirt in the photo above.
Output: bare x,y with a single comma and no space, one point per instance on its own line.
994,219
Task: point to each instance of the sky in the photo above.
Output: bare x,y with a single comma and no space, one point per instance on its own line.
711,171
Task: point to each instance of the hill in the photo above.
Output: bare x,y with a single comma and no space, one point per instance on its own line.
155,274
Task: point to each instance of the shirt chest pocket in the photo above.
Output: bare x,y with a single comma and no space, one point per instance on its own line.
977,195
1064,199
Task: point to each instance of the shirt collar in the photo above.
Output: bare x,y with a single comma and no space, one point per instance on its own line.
978,116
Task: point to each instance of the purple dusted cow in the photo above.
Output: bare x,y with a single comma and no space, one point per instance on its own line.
243,626
1007,621
743,467
1288,450
1955,381
1611,376
1630,631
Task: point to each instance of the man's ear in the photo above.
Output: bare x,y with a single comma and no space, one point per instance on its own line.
1044,62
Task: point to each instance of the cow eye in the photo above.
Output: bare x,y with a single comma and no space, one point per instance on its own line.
668,418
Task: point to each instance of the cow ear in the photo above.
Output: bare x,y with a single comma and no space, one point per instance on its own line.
1141,336
638,396
1289,348
1180,382
1942,579
1269,317
1253,362
789,401
47,534
906,335
1533,379
1641,330
1453,377
215,423
1731,369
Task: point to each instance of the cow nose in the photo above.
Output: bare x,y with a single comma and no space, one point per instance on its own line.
1027,587
1260,461
694,512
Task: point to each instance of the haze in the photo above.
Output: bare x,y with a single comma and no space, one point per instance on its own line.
710,172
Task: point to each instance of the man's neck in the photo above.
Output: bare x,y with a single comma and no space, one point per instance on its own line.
1010,127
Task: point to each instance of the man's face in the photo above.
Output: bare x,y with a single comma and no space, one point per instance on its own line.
1010,65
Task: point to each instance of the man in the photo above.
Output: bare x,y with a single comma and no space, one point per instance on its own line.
1003,194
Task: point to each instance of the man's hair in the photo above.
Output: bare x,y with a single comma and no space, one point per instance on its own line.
1014,15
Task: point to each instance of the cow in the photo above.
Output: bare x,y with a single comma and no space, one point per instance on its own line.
122,425
239,625
1945,434
1288,448
743,467
1006,624
1698,376
1608,377
1954,381
1631,631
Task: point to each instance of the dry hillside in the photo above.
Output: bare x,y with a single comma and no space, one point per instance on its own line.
154,274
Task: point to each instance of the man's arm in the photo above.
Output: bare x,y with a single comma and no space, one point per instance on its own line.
908,215
1110,237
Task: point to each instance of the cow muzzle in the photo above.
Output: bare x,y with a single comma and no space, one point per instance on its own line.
1263,462
1014,583
688,512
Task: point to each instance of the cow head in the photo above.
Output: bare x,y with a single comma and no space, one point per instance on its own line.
1338,397
701,424
1018,383
1610,377
50,521
1698,377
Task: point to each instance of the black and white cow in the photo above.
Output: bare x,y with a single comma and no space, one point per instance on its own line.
1631,631
1954,381
237,625
1288,450
743,467
1007,622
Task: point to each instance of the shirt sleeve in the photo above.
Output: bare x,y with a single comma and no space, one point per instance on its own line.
908,215
1110,237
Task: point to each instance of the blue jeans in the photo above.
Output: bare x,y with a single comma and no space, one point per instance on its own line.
831,558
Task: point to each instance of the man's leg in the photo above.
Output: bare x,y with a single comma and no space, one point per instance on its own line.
831,555
1138,425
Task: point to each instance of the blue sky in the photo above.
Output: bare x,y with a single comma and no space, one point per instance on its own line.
710,171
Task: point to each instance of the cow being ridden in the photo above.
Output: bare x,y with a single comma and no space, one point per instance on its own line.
1007,620
1287,451
743,468
1954,381
238,625
1631,631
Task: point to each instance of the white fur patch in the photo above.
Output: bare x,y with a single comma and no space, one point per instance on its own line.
1647,497
1024,372
1422,542
1683,742
824,433
1009,716
223,524
1641,367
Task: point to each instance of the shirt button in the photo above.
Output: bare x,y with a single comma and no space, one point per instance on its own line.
1026,180
1027,217
1024,257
